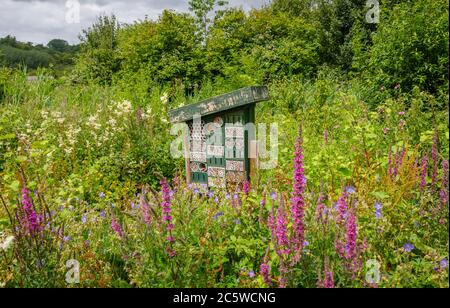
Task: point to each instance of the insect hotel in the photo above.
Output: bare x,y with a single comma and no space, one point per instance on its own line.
221,144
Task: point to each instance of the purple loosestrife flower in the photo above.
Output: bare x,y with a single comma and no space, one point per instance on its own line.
145,209
408,247
320,209
265,273
117,228
166,199
399,157
423,173
246,187
282,281
329,279
166,206
444,189
390,163
29,220
434,156
298,199
281,231
340,248
350,237
342,208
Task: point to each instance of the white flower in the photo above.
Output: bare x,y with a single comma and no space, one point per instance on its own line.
124,107
165,98
7,243
112,122
92,122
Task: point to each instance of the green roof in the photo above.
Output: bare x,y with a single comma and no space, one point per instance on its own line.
238,98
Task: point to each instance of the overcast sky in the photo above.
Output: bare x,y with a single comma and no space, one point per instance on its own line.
39,21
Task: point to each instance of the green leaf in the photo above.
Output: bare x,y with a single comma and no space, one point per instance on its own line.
380,195
345,172
15,185
21,158
8,136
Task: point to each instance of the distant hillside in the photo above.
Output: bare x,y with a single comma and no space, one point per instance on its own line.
57,54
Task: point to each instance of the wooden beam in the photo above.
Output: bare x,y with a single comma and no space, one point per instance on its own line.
187,158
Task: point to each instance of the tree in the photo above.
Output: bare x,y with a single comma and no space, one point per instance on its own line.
97,59
411,48
2,58
167,49
58,45
201,10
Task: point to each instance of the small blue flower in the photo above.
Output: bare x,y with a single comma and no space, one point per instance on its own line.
102,214
102,195
273,195
196,191
350,190
263,202
408,247
305,244
227,196
84,219
444,263
67,238
378,208
210,194
251,274
217,215
237,221
217,200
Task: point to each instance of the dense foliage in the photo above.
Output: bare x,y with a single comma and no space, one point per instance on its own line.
359,195
58,54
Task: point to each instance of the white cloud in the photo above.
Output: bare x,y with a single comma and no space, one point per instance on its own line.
39,21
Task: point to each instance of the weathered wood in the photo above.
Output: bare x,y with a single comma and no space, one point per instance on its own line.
187,160
254,163
238,98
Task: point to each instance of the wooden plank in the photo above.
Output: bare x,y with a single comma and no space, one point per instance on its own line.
187,160
239,98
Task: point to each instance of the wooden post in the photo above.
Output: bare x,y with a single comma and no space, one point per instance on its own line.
187,158
254,163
